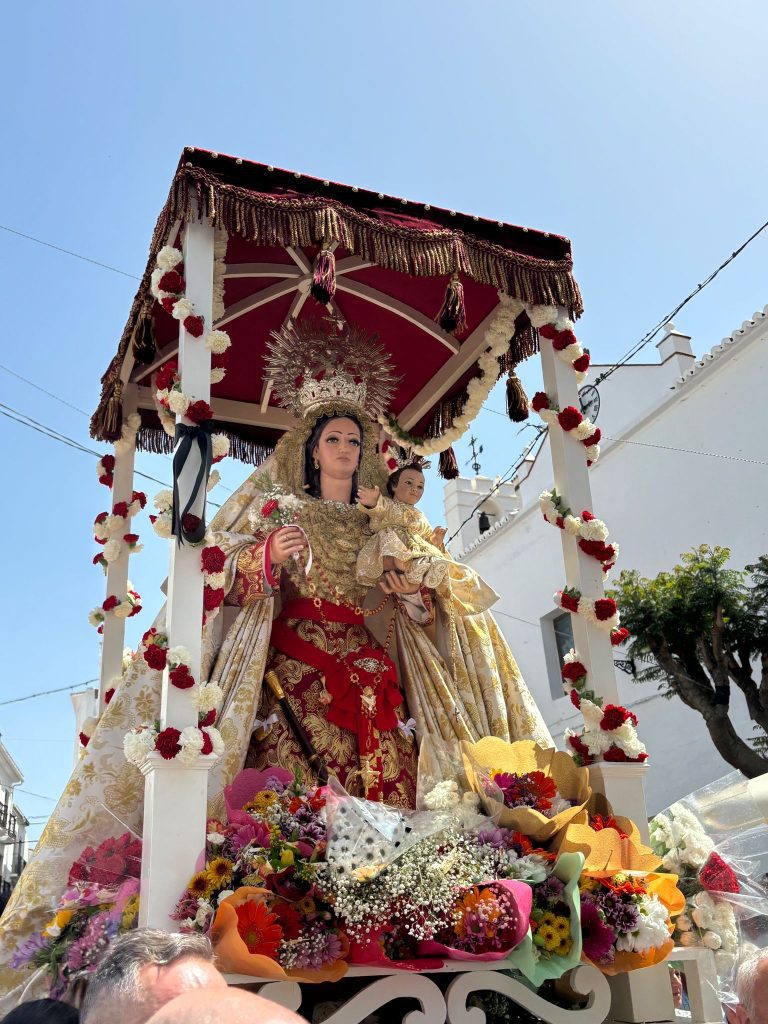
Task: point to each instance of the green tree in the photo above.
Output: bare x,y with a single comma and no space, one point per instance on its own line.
700,630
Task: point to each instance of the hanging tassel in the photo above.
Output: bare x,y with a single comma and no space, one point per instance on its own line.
144,344
113,413
453,316
324,276
447,466
517,400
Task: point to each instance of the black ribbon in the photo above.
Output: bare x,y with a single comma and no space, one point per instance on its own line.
188,435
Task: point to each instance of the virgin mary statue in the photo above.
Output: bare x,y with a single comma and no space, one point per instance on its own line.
351,667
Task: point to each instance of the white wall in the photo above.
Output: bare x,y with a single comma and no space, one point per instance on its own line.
657,504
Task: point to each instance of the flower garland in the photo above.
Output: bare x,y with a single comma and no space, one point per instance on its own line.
186,744
107,528
168,287
105,470
212,562
128,432
497,336
610,731
592,533
169,398
567,348
87,731
602,613
571,421
162,523
126,608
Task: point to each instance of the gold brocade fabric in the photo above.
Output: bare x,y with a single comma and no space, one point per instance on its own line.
401,532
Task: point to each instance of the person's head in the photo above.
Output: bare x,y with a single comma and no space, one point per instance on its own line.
144,969
332,452
406,484
43,1011
752,990
231,1007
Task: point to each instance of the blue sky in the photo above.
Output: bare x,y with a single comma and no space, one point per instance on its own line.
636,130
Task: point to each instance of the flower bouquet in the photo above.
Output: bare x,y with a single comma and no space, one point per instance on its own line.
609,843
625,919
525,787
279,508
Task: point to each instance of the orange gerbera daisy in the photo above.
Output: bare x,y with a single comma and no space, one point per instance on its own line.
258,928
468,905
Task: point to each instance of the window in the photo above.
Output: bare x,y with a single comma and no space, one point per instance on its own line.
557,633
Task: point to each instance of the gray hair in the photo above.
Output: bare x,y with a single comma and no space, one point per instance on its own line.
118,976
746,979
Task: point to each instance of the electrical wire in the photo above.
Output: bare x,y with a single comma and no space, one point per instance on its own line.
685,451
45,693
39,796
69,252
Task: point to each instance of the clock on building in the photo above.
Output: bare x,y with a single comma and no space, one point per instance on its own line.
589,401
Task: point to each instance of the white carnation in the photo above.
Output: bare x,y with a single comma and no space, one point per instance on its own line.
541,315
584,430
591,713
593,529
218,373
217,342
163,525
652,930
207,696
182,308
96,616
131,424
169,257
111,550
178,402
216,739
134,508
89,726
154,283
114,525
123,610
191,741
163,500
137,744
220,446
444,797
593,452
215,579
178,656
127,658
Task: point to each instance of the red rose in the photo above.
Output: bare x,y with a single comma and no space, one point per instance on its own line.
614,716
190,523
207,719
575,699
109,695
167,743
605,608
212,559
199,411
194,325
593,438
181,678
84,739
618,636
173,282
569,602
569,417
574,671
207,743
168,303
110,603
269,507
539,401
718,876
155,657
212,598
581,365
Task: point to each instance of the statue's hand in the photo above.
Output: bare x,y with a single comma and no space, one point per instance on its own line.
438,536
284,543
368,496
395,583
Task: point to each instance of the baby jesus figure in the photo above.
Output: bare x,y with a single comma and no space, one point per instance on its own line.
403,537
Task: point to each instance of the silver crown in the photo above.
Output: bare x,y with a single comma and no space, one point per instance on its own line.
334,386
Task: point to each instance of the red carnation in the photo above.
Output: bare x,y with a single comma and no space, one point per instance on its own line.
135,610
560,523
155,657
207,719
213,559
549,331
563,340
168,303
99,559
84,739
392,464
110,603
109,695
539,401
106,480
598,549
575,699
569,417
131,538
100,517
587,516
172,281
581,365
207,743
605,608
574,671
569,601
212,598
618,636
139,496
120,509
593,438
181,678
165,375
152,519
167,743
581,749
190,523
108,462
194,325
269,507
614,716
718,876
616,754
199,411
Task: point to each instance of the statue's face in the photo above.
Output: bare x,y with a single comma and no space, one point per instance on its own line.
338,450
409,487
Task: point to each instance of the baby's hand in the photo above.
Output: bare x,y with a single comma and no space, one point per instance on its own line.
368,496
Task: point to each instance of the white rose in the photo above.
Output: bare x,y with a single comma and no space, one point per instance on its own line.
217,342
169,257
683,923
182,308
178,402
191,741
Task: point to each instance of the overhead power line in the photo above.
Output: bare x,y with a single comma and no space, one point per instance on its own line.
69,252
45,693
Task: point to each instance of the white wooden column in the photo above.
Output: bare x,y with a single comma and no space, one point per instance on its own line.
113,637
175,795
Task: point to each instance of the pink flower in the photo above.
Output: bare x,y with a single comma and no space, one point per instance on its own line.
597,938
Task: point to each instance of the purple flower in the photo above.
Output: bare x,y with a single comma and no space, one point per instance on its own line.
255,831
85,953
315,951
495,837
27,950
597,938
551,891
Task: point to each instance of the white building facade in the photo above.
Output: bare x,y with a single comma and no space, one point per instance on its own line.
683,462
13,827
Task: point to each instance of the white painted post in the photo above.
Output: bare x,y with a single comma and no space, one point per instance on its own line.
176,794
113,637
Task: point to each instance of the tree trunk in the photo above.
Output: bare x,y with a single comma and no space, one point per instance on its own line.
731,747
